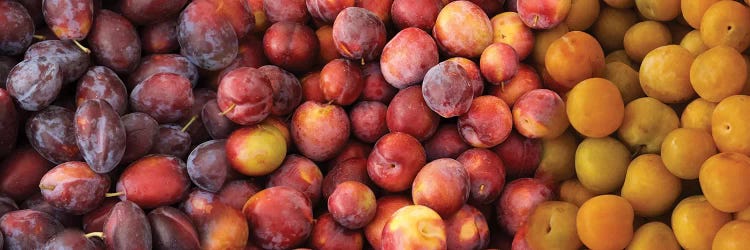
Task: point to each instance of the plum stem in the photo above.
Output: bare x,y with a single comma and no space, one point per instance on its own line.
113,194
363,61
40,37
46,187
95,234
80,46
228,110
192,119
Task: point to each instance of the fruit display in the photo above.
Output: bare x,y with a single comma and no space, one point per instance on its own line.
375,124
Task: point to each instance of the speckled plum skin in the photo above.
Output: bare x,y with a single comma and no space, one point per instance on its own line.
207,40
74,179
52,133
279,218
166,97
163,63
35,83
248,93
407,57
100,135
395,161
28,229
409,113
114,42
352,204
100,82
299,173
447,90
69,20
207,165
72,61
18,28
320,130
453,191
359,34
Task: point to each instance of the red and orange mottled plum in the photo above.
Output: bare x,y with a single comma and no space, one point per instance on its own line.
407,57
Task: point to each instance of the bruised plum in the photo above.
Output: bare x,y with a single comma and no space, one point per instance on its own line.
100,135
328,234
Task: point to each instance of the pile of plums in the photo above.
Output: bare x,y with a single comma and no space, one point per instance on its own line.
374,124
